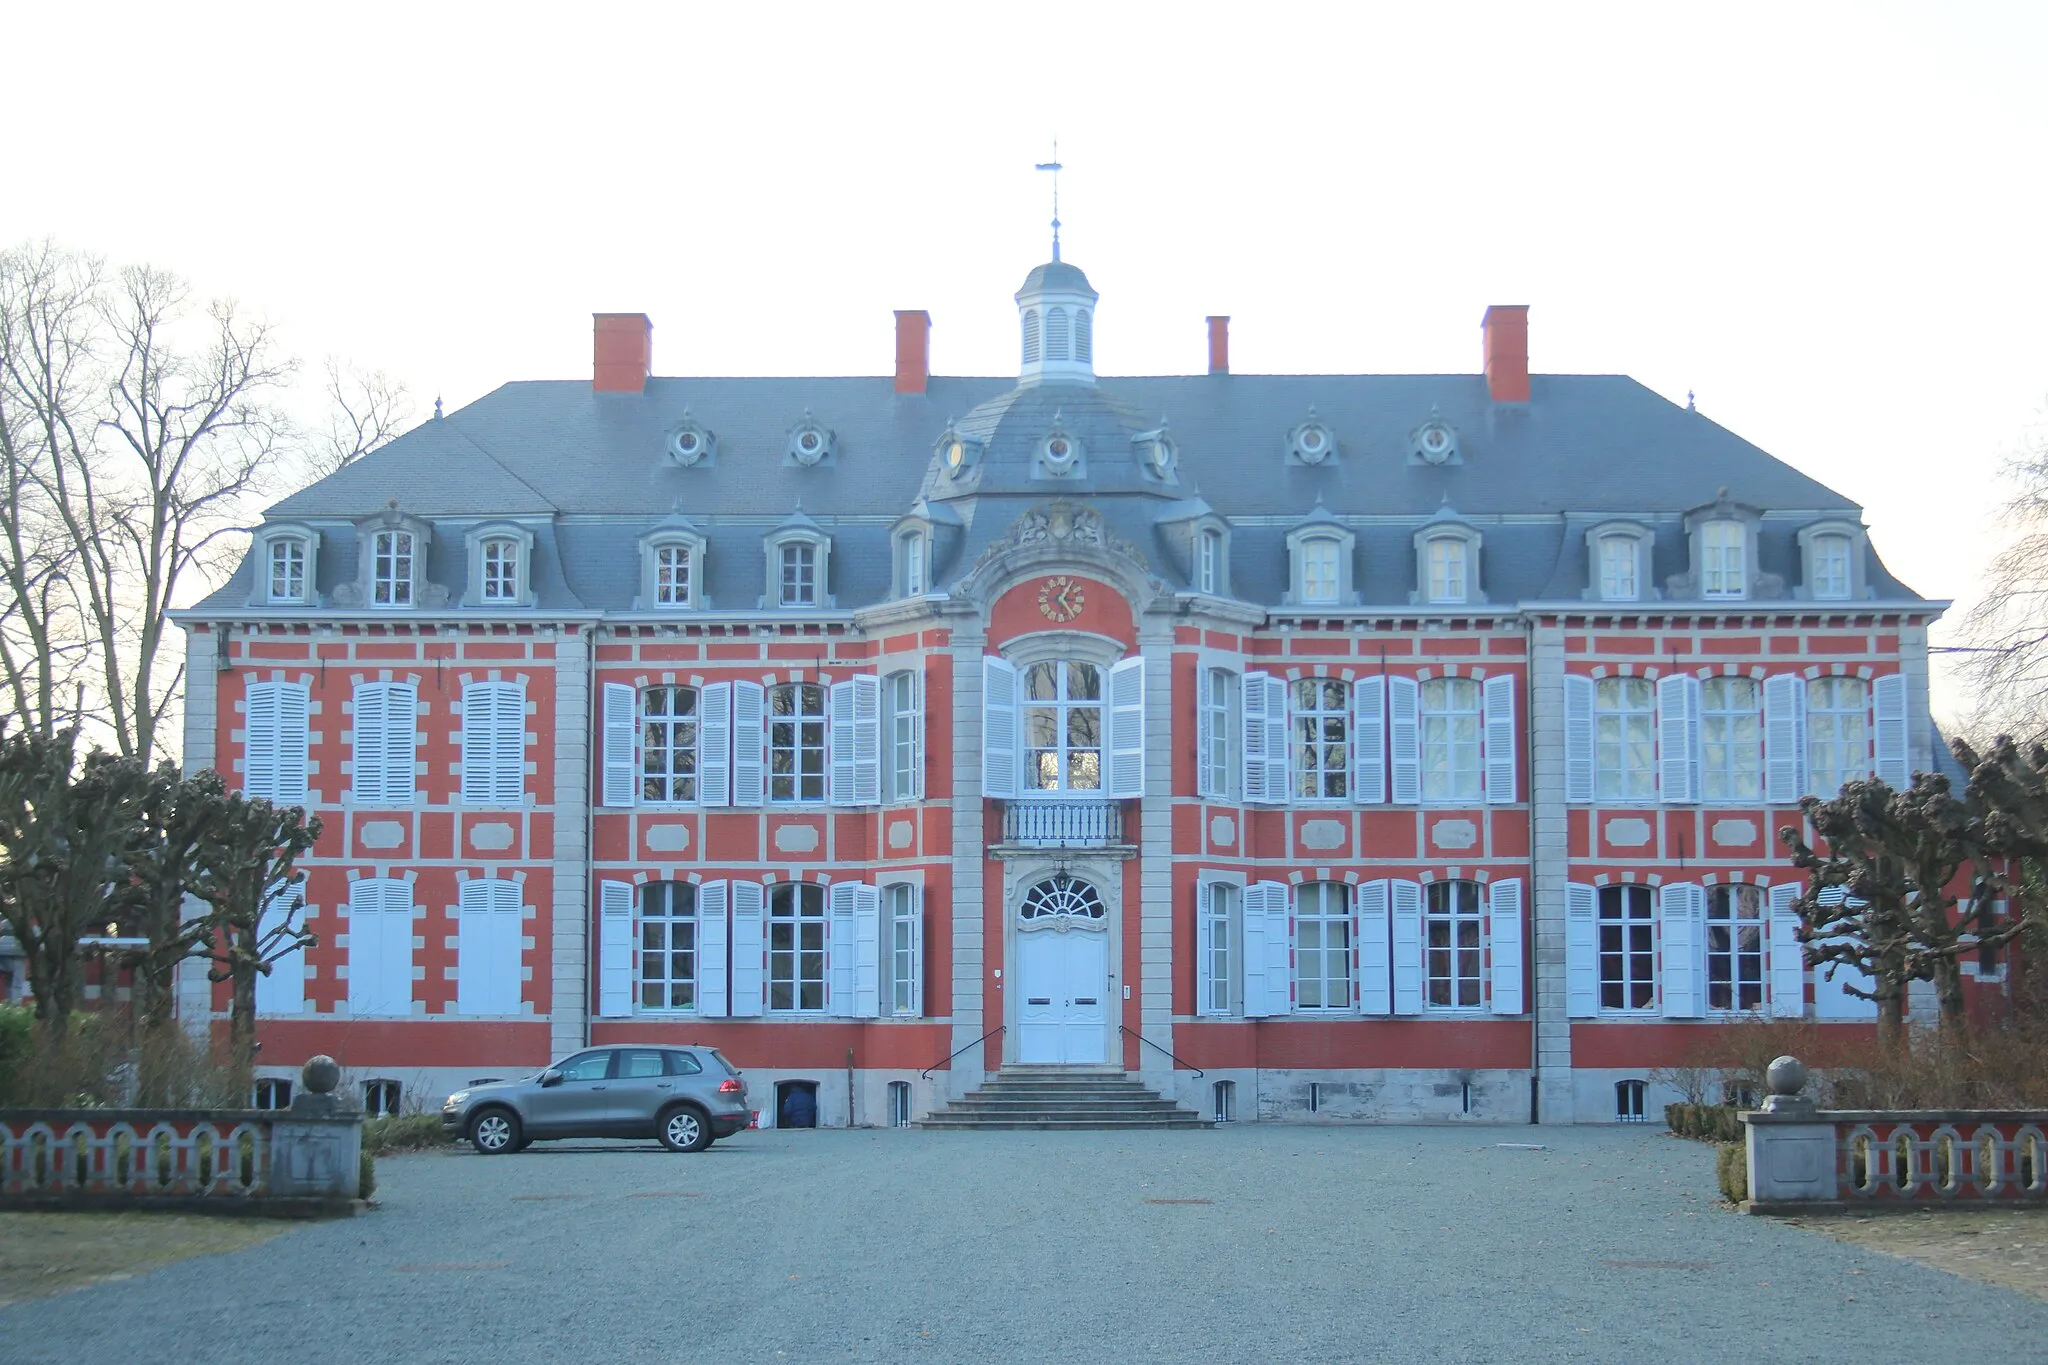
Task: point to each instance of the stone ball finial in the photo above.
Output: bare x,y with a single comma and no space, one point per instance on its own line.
1786,1076
321,1074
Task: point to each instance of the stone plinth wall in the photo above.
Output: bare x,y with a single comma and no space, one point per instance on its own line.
1871,1158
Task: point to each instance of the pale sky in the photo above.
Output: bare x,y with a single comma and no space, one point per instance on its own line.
1824,219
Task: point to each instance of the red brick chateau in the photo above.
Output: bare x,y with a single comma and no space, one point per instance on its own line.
1393,747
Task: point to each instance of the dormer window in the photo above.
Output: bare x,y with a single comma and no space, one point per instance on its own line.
1447,570
1319,566
799,574
799,558
1724,560
501,569
673,574
1620,568
1209,561
912,555
672,567
290,569
391,568
1828,566
500,566
1446,562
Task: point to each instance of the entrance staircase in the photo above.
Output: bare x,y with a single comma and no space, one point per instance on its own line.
1061,1099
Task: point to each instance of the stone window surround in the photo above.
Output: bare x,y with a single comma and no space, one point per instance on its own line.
473,594
1347,550
1448,530
910,529
1759,586
771,599
1646,541
362,589
1859,547
309,539
1212,525
650,568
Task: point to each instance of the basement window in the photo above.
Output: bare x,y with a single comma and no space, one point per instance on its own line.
1628,1101
272,1092
381,1099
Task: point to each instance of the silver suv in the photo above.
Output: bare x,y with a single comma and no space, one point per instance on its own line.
686,1096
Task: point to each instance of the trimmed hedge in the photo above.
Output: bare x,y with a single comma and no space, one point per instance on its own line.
1704,1122
403,1133
1731,1169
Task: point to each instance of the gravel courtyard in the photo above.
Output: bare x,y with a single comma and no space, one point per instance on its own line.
1269,1243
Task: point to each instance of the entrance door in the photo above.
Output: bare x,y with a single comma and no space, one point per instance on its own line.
1064,1010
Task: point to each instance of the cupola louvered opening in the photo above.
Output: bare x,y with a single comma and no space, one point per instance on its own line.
1057,345
1084,335
1031,336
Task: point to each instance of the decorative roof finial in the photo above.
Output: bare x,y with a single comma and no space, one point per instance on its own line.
437,407
1055,167
1688,402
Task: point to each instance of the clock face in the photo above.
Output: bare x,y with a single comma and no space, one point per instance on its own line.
1061,599
956,454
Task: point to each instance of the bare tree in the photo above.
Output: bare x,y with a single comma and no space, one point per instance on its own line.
365,409
2007,630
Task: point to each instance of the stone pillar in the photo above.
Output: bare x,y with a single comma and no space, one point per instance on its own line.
1548,872
1155,863
569,893
316,1147
1790,1148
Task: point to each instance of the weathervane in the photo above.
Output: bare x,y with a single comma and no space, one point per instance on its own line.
1054,166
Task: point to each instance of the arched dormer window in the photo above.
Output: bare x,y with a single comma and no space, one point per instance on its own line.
1057,344
1832,557
672,568
1724,559
913,561
1618,563
394,562
1722,536
1212,561
1031,353
391,565
1447,563
1084,335
500,567
799,557
286,560
1319,563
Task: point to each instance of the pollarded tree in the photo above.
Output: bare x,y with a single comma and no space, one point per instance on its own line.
247,865
178,816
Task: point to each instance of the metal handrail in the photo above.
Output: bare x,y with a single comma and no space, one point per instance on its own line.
1125,1028
926,1074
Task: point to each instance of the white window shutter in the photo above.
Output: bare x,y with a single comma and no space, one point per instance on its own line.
1578,739
747,992
508,758
1369,738
749,747
1404,739
1678,739
369,714
259,740
839,744
1253,749
1499,695
1268,950
1788,958
365,946
1784,739
1407,947
867,951
1581,951
487,958
1504,933
1127,728
1683,910
712,941
615,974
917,732
294,735
1276,739
714,745
916,951
394,949
1375,948
840,954
621,728
401,743
998,727
1889,697
493,743
281,990
867,740
1205,726
1205,950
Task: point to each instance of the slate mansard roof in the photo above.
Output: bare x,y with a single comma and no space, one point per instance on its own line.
589,472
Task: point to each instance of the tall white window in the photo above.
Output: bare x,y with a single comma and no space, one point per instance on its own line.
906,737
1828,558
799,577
1735,947
906,988
385,720
1215,732
1628,949
910,554
1451,945
1731,740
668,946
796,742
1447,570
1219,900
668,744
501,570
1320,582
1321,723
1063,727
275,740
1724,559
288,569
1837,732
1619,568
796,946
1209,561
1625,739
1451,719
391,568
1322,946
493,743
672,575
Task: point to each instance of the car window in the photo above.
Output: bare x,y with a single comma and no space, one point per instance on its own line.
639,1063
683,1064
730,1069
587,1066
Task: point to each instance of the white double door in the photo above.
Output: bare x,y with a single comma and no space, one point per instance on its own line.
1062,986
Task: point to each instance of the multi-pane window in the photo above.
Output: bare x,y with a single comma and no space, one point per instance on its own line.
668,744
501,570
1618,568
1628,949
910,553
1731,740
1451,719
900,905
288,570
1735,947
796,742
1321,716
1319,578
796,946
1215,733
799,577
1218,901
1451,938
1447,577
1063,727
905,736
391,556
1322,946
1724,559
1625,739
1209,562
668,946
672,566
1837,732
1828,560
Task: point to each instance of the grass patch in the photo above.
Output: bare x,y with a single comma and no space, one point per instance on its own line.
2008,1248
49,1253
404,1133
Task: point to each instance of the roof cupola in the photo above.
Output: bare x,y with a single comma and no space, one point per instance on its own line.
1056,311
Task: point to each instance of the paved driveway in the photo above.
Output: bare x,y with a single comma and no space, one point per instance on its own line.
1248,1243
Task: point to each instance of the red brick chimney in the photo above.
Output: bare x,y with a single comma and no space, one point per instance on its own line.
1219,345
913,350
622,352
1506,331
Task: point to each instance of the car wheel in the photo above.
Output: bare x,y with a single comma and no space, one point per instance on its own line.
684,1129
495,1132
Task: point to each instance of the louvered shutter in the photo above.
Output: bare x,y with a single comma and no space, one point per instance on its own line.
749,741
1678,739
1127,728
366,947
1889,697
615,973
621,728
747,899
1375,948
714,745
493,743
1499,696
1268,951
867,740
917,722
1788,958
370,713
867,951
259,740
998,727
398,945
841,954
401,743
1404,739
294,734
1683,910
712,943
1578,739
1252,712
1784,739
1369,738
1504,934
1407,946
281,990
1581,952
487,965
839,744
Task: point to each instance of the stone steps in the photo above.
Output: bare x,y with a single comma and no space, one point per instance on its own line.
1056,1100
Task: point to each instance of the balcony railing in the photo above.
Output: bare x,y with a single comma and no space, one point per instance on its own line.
1063,824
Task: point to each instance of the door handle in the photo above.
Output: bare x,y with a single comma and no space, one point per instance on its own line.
597,1087
1088,1000
664,1085
1039,1000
